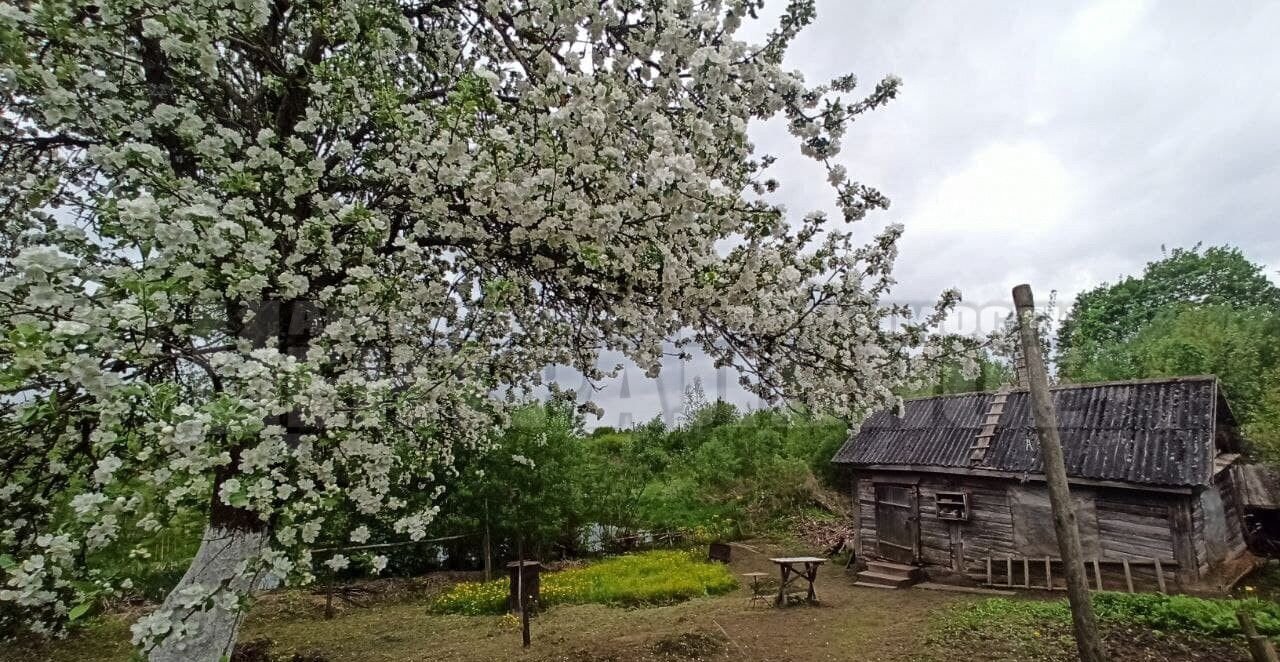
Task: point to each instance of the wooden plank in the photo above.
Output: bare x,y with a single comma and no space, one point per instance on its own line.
1185,539
1097,574
1128,577
1160,576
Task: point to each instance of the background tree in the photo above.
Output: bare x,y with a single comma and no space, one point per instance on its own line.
528,483
1191,313
272,260
1239,345
1113,313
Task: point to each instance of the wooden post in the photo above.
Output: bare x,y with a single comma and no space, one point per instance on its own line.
1008,570
989,577
1160,576
1048,575
1026,572
328,599
524,607
1097,573
1260,647
1088,643
488,551
1128,577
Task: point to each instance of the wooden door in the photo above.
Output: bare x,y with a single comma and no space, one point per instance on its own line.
897,522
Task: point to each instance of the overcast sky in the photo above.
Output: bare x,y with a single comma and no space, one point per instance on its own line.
1058,144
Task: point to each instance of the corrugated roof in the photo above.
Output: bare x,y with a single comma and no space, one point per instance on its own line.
1154,432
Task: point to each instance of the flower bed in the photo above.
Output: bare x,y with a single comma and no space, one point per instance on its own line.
659,577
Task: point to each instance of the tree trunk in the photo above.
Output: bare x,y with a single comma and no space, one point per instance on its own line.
203,632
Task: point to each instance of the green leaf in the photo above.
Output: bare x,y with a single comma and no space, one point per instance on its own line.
78,611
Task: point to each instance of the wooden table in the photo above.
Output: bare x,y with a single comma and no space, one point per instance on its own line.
790,567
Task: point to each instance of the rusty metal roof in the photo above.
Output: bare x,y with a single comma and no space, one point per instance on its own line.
1150,432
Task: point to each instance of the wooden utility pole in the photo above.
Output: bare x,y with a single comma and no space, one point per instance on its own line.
1088,643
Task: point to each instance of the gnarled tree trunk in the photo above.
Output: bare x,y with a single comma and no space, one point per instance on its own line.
207,632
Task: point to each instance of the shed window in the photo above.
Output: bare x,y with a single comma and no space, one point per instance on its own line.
952,505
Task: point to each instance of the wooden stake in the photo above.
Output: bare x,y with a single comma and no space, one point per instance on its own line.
524,606
989,577
1088,642
488,551
1260,647
1026,572
328,599
1048,575
1097,573
1128,577
1008,570
1160,576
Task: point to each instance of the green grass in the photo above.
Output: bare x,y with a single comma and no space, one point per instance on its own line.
660,577
1166,613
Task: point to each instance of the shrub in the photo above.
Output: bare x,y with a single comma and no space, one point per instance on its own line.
658,577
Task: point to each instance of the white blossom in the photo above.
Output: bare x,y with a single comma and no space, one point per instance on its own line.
299,286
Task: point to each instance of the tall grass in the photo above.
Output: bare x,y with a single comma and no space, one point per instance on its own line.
657,577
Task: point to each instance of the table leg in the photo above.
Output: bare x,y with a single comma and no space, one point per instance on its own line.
782,588
812,574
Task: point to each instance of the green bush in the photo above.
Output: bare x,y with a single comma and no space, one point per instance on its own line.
659,577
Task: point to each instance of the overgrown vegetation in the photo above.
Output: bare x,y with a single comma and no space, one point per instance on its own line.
656,577
1192,312
1165,613
562,491
718,474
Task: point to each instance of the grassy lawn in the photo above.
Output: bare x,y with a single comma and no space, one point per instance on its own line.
395,622
850,623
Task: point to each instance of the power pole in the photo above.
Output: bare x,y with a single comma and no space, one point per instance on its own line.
1088,643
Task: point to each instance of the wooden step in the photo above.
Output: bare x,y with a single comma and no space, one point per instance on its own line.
894,580
874,585
890,567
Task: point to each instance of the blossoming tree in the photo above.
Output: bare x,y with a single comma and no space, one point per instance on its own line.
264,257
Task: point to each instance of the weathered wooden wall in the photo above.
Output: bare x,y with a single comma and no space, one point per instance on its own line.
1217,523
1126,524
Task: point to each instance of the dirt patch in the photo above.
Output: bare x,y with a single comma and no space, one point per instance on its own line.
1142,645
690,645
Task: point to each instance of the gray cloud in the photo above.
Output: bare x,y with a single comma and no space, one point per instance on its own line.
1041,142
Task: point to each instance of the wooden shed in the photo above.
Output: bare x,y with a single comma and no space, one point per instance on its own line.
1259,487
956,482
